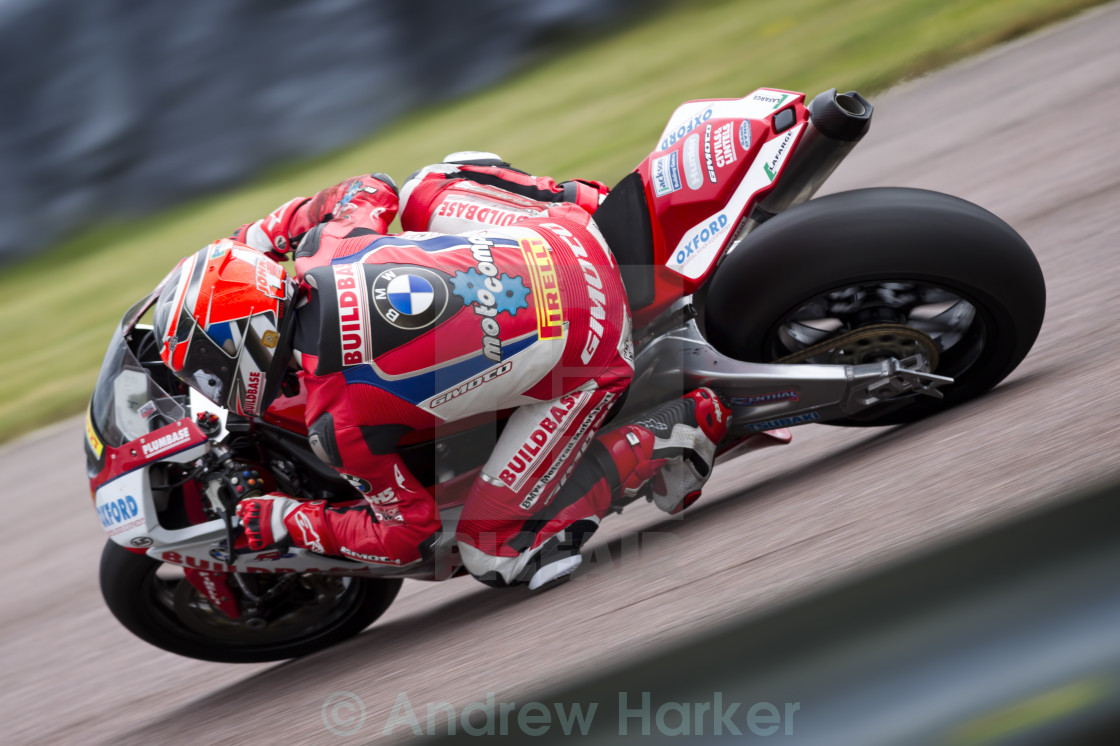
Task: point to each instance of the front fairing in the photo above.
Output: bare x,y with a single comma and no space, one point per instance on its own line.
127,403
142,445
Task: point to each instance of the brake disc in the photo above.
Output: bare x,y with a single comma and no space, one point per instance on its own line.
867,345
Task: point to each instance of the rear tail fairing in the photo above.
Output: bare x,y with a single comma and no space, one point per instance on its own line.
722,166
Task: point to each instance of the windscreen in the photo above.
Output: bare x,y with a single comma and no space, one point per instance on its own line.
127,402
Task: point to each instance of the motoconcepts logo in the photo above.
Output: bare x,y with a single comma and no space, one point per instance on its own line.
489,294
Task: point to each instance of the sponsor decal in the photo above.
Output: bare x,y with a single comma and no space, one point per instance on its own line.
702,238
771,98
210,588
400,477
796,419
311,538
700,245
723,147
267,278
521,464
147,410
597,301
352,191
454,393
302,564
361,485
119,511
166,442
384,515
384,497
489,293
758,399
348,552
708,153
665,174
561,458
353,315
410,298
546,288
466,210
269,339
125,527
690,124
627,350
141,541
690,151
95,443
745,134
253,392
771,167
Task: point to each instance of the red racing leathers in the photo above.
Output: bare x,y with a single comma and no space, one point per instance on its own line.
410,331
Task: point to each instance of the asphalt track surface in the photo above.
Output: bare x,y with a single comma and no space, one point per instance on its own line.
1028,131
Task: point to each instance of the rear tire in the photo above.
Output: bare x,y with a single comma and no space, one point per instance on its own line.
861,238
133,593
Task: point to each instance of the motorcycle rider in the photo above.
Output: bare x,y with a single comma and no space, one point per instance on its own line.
501,293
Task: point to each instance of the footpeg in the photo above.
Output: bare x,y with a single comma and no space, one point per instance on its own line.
895,378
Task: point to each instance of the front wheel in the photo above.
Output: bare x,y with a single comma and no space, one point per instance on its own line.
874,273
156,603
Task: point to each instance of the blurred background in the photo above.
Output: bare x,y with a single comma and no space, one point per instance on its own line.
133,133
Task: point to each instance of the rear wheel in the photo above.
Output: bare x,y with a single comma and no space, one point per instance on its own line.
860,276
310,611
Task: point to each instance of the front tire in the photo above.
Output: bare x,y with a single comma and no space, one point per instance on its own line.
852,256
171,615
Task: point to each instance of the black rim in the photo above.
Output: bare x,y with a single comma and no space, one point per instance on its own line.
957,326
306,606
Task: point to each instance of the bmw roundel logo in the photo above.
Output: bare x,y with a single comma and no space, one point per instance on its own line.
410,294
409,297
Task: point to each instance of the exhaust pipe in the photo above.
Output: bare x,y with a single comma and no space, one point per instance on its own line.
837,121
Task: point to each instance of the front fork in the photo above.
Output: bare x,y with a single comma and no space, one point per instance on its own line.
768,396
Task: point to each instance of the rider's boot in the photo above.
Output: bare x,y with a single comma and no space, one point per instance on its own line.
670,449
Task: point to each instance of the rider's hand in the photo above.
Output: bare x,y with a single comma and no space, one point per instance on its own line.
587,193
263,519
272,235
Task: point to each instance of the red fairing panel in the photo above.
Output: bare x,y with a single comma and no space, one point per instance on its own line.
715,160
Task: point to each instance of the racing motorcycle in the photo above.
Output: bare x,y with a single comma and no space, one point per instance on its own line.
864,308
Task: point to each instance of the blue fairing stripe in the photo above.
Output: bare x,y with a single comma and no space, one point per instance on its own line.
435,243
426,385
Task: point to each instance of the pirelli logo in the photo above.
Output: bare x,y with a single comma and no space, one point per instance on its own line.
91,436
546,288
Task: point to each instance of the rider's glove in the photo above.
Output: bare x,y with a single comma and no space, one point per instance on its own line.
587,193
263,519
271,234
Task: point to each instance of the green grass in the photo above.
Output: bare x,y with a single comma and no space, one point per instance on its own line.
594,112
